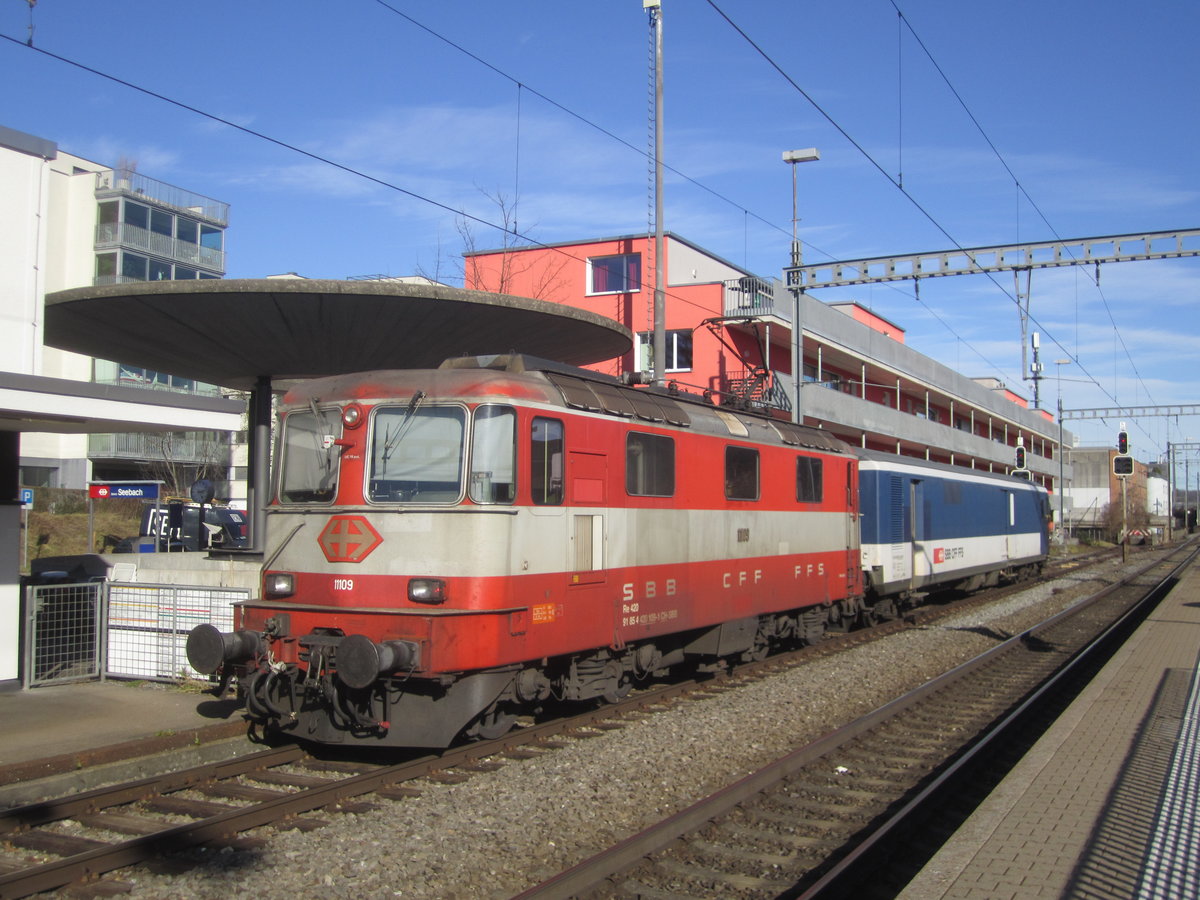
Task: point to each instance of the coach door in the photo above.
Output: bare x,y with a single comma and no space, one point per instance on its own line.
1011,499
919,566
587,480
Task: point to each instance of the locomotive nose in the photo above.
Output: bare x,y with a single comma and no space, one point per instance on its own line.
208,648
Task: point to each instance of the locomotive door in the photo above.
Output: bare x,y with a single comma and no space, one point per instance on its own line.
587,480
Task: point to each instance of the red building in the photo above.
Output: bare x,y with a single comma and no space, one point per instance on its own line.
729,334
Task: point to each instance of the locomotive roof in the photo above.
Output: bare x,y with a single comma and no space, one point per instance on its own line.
581,389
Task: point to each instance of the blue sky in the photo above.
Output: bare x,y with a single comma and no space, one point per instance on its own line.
1081,120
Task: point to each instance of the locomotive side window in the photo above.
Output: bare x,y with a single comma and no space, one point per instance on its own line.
741,473
310,458
546,462
810,487
649,465
417,453
493,452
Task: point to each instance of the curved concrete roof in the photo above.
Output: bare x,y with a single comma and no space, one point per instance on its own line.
230,332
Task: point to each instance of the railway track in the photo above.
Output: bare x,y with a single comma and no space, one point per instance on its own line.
76,839
818,821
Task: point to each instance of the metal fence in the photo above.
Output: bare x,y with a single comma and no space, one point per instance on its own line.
63,624
118,629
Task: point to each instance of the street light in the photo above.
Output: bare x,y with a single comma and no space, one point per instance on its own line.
791,157
1062,521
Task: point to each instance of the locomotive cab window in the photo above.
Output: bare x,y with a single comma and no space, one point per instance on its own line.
810,487
741,473
649,465
417,453
493,454
310,458
546,462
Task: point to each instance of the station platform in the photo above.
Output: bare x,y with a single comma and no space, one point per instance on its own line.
53,730
1105,803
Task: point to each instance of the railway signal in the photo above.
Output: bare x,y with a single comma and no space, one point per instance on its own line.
1122,465
1020,454
1123,442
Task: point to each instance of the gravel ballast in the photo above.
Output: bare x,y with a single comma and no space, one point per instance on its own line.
500,832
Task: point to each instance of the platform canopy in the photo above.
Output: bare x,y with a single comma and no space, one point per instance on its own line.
232,332
36,403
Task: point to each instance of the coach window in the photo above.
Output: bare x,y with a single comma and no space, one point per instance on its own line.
649,465
741,473
493,449
546,462
809,484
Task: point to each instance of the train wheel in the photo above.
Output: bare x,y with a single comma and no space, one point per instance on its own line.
617,684
839,620
494,722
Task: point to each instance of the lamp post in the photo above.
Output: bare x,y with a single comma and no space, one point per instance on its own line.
1062,521
792,157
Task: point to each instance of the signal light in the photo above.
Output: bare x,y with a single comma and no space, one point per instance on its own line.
1122,442
1020,456
1122,465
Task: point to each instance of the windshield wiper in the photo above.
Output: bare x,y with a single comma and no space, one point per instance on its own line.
393,437
324,459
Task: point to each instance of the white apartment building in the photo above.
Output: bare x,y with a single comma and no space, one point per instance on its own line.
68,223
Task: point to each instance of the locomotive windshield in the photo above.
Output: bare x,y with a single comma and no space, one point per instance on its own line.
417,453
310,458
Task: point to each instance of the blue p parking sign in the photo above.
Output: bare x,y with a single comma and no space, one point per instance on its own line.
27,497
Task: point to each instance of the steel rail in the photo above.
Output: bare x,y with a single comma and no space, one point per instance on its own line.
586,874
831,881
91,864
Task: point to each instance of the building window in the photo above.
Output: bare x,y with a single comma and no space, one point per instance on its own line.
37,476
679,351
137,215
210,238
741,473
649,465
161,222
615,274
106,268
134,266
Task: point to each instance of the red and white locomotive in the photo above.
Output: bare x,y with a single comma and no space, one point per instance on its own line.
448,549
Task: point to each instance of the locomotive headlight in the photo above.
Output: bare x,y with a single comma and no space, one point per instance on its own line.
280,584
427,590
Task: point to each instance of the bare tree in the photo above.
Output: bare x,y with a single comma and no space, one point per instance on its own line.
546,282
182,458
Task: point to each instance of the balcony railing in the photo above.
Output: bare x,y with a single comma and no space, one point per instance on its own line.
173,447
197,205
121,234
752,296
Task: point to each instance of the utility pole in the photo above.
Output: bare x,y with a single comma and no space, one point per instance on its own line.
660,321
